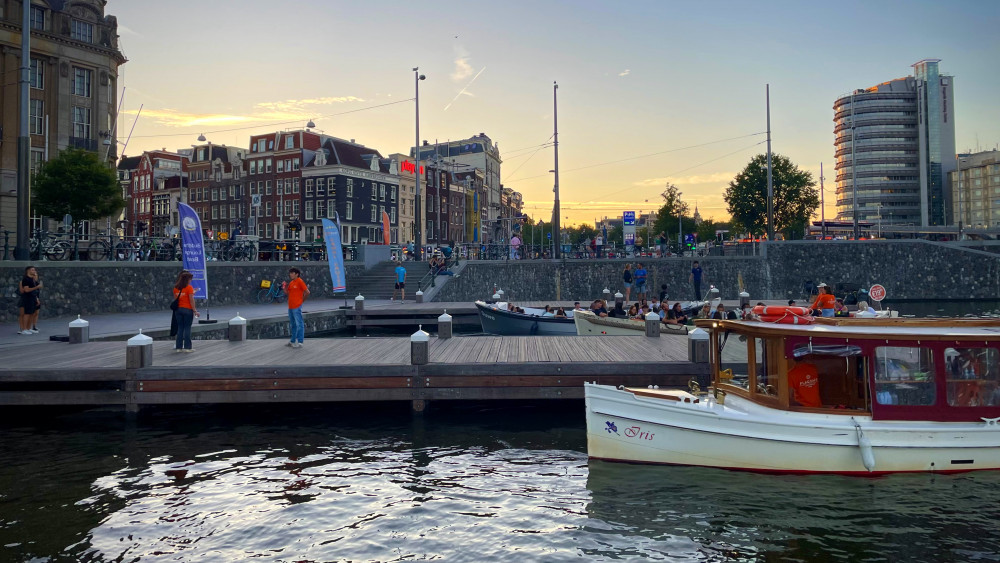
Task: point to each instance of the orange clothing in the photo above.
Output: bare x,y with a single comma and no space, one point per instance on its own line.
824,301
187,297
804,383
296,293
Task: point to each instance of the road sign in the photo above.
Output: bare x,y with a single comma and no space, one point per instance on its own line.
549,235
689,238
877,292
255,200
628,217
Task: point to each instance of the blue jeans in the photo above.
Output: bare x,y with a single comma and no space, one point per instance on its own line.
297,327
185,318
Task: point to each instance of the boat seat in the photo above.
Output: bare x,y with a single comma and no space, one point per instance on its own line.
668,394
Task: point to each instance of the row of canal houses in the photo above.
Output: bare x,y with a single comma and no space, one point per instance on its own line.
303,176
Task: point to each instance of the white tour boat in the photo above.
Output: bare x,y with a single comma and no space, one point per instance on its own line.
851,396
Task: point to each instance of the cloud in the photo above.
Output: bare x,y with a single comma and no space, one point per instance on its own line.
174,118
463,69
625,72
302,105
718,177
464,91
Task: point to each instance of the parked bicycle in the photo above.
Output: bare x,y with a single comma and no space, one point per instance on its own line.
47,246
271,291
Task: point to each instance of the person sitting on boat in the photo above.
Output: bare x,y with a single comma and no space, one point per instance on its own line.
825,301
864,310
720,312
548,312
676,314
839,309
618,312
747,314
576,306
705,312
597,307
633,311
803,381
560,313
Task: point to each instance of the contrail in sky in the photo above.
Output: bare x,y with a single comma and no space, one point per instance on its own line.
462,91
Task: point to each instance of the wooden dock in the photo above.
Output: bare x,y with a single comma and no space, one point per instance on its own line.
343,369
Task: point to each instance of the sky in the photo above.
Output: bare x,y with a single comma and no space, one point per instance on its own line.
650,92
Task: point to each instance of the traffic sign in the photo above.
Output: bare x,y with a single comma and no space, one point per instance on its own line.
877,292
628,218
255,200
688,238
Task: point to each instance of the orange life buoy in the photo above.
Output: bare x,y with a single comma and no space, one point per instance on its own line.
788,319
781,310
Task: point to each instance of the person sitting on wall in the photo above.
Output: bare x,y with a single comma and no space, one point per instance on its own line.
825,301
803,382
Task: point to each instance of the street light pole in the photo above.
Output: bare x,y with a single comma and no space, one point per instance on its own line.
770,182
555,123
418,247
24,139
959,174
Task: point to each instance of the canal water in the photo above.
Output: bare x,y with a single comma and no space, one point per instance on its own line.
475,483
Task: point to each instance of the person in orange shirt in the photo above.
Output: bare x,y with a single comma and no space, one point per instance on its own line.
186,311
825,301
803,381
297,292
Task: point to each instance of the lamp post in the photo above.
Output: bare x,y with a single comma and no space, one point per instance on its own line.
958,173
23,139
418,247
879,220
555,146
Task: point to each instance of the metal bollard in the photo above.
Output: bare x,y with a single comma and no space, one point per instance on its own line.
419,341
237,329
359,303
79,331
606,295
444,325
698,346
139,351
619,299
420,296
652,325
744,299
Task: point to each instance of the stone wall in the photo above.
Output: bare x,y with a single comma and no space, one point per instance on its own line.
89,288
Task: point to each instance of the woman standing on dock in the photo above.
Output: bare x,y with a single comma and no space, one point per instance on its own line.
29,303
185,313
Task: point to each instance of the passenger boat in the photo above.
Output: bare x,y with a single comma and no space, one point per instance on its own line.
589,324
849,396
496,319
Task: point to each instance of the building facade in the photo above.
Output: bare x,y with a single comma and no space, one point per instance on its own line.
73,85
158,183
976,194
217,189
901,135
274,172
478,151
405,170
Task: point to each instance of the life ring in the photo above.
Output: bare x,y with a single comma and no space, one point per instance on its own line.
781,310
788,319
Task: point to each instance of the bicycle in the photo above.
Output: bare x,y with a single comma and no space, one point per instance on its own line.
272,290
46,246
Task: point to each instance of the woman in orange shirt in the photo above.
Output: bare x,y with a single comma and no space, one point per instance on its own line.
186,311
825,301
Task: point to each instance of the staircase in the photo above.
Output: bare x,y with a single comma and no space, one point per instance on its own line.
378,283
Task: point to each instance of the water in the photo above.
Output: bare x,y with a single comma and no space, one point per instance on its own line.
472,483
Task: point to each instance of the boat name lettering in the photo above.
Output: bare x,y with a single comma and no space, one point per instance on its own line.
638,432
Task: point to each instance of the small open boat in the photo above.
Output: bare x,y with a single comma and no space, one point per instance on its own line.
496,319
589,324
862,396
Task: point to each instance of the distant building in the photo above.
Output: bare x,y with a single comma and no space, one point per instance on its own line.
478,151
217,190
903,134
155,188
976,196
274,172
405,169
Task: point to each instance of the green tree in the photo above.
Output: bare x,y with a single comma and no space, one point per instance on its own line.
795,197
672,208
77,183
706,230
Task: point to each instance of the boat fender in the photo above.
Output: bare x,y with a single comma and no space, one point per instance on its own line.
865,445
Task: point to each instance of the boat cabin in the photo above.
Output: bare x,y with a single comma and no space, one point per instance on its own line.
891,369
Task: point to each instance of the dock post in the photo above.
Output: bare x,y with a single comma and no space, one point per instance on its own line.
79,331
652,325
419,342
606,295
237,329
420,296
444,325
744,299
698,346
139,351
359,303
619,299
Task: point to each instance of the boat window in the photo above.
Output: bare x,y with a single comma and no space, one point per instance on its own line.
764,383
904,376
972,376
828,376
734,354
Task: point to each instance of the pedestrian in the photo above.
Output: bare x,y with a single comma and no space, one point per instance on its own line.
640,281
30,301
515,243
297,292
627,280
400,283
663,243
186,311
695,278
599,245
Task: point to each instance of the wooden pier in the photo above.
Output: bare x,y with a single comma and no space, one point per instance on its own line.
343,369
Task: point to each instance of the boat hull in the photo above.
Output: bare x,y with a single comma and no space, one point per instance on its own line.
588,324
624,427
505,323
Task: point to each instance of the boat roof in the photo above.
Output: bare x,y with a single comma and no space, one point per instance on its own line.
905,329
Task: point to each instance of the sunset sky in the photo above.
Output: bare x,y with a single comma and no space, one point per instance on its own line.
649,92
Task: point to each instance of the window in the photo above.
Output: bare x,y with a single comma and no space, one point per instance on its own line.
253,166
267,209
289,142
309,187
381,192
392,194
253,188
268,165
331,207
36,119
81,122
288,165
82,31
81,82
392,215
37,73
374,214
232,192
215,212
374,191
331,186
36,159
972,376
281,166
269,230
295,186
309,209
350,187
222,212
349,211
320,187
295,163
288,185
295,208
287,209
215,194
267,188
320,209
904,376
37,18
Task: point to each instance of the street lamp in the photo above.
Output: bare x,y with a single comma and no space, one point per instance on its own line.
958,173
418,247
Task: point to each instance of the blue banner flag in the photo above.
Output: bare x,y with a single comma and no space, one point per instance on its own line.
193,249
331,235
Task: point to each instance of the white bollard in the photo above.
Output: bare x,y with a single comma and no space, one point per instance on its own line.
606,295
420,296
619,299
698,346
444,325
237,329
652,324
419,342
744,299
139,351
79,331
359,303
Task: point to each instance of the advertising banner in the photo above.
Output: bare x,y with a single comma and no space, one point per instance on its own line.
331,236
193,249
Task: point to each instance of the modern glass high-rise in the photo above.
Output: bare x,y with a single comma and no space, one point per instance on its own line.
902,133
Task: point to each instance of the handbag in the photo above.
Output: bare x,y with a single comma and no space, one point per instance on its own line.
176,303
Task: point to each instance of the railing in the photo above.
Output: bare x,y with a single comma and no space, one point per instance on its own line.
83,143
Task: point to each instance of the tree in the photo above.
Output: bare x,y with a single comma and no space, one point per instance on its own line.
795,197
673,207
77,183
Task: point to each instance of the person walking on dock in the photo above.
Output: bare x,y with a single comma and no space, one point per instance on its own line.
185,312
695,279
297,292
400,282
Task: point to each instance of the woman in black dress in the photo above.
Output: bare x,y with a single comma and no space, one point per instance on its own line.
29,290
